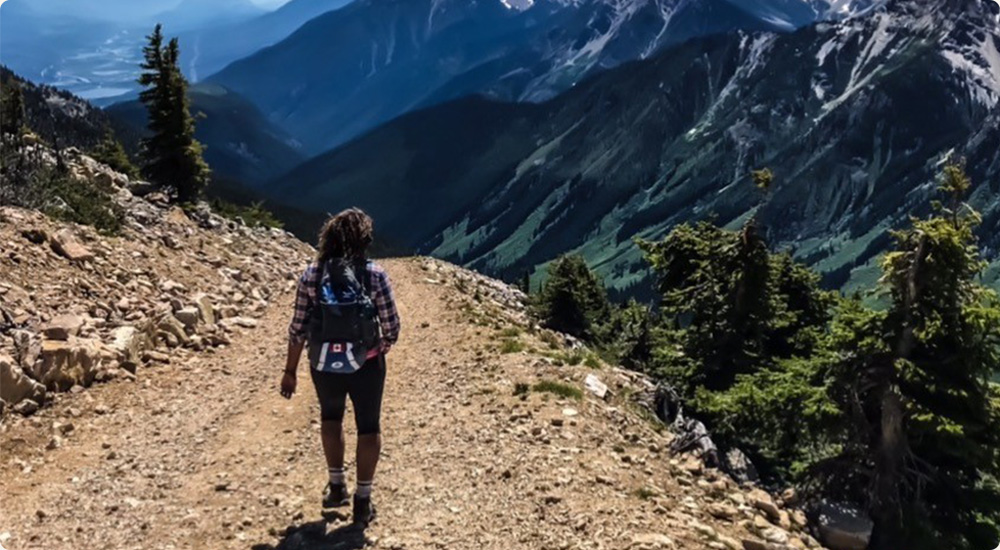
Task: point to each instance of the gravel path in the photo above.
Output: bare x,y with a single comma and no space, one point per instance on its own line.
203,453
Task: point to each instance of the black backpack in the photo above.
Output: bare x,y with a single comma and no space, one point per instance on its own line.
344,310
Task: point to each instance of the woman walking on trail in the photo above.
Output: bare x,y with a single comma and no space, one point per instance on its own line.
344,310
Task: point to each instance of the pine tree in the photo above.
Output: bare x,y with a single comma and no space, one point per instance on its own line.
715,303
573,300
12,116
924,435
111,152
173,157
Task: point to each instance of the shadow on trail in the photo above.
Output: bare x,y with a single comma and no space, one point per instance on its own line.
316,535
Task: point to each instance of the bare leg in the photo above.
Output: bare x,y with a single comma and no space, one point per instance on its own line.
332,434
369,448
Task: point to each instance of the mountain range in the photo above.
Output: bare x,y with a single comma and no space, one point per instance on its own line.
209,49
854,117
352,69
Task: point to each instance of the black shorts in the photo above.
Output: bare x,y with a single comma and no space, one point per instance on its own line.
365,388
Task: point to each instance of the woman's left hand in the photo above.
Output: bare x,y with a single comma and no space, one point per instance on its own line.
288,384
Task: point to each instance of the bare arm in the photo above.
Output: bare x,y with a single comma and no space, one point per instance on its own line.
296,335
294,353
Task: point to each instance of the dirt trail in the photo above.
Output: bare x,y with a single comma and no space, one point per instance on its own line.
205,454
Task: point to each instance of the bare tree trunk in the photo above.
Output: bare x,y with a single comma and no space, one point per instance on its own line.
886,507
890,452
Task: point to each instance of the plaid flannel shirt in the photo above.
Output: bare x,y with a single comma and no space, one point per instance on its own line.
305,300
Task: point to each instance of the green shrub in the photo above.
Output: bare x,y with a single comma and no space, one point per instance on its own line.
560,389
511,345
510,332
85,203
254,215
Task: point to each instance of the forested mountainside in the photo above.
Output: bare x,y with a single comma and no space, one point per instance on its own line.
240,143
64,120
351,69
853,117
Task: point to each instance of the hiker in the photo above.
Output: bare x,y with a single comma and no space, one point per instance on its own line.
344,310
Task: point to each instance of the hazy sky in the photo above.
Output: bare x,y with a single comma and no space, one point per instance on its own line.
269,3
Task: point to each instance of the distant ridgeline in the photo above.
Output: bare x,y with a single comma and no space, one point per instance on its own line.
854,118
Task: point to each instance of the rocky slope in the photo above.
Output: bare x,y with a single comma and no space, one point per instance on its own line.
853,117
106,304
496,435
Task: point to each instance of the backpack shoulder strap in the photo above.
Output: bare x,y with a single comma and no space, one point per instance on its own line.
362,270
318,283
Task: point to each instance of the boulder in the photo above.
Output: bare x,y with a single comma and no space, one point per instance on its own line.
843,528
206,308
66,245
27,407
775,535
738,465
244,322
129,342
67,364
35,236
171,331
595,386
753,544
188,316
651,541
64,326
141,188
763,501
16,386
720,510
27,348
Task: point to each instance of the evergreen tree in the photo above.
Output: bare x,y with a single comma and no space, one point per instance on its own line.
924,433
12,115
173,157
715,301
573,300
111,152
628,335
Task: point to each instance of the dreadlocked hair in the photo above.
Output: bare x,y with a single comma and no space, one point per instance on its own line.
346,235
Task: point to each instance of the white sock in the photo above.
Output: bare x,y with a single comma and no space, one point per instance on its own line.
364,489
336,476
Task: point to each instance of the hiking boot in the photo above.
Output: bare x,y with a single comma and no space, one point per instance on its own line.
335,496
364,511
